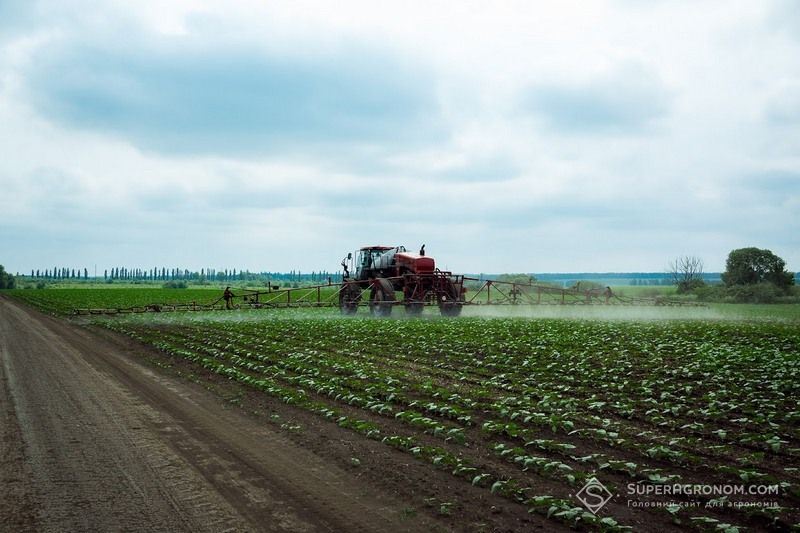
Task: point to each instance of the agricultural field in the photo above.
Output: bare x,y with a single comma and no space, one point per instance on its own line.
523,409
64,301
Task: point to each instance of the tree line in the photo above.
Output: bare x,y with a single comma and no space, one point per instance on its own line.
203,275
60,273
751,275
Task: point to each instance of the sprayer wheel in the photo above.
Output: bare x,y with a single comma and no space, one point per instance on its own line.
381,298
349,296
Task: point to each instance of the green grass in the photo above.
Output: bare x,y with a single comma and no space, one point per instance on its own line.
645,291
63,301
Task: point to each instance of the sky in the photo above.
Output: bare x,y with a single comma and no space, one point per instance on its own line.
508,136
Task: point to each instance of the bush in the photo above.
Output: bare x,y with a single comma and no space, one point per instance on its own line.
690,286
710,293
759,293
175,285
7,281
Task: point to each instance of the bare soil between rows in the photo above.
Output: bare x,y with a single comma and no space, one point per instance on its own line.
101,432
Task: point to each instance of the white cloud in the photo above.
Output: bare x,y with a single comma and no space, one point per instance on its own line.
508,136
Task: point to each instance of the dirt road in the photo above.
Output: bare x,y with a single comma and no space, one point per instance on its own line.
93,440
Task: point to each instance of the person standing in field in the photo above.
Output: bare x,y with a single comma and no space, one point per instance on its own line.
608,294
228,297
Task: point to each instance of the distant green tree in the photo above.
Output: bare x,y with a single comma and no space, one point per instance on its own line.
7,281
748,266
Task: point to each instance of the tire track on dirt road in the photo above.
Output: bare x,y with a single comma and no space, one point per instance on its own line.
95,441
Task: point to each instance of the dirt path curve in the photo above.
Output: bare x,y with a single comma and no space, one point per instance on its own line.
91,440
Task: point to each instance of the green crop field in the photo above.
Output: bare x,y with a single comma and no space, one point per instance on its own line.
528,406
64,301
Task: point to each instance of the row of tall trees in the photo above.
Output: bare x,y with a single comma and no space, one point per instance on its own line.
60,273
179,274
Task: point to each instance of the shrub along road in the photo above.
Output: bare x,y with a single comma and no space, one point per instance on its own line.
93,440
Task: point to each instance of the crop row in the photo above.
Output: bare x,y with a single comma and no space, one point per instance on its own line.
557,399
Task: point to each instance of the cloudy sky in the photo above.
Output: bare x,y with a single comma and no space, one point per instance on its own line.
507,136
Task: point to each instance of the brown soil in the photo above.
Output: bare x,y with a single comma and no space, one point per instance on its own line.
94,440
102,433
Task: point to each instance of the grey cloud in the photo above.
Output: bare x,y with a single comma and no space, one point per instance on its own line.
169,96
55,194
768,189
628,101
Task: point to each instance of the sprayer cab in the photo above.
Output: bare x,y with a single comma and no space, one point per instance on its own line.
386,262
